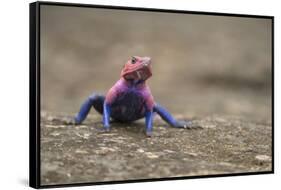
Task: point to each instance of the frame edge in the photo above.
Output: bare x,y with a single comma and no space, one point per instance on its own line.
34,100
34,138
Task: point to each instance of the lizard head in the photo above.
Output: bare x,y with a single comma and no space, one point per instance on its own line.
137,68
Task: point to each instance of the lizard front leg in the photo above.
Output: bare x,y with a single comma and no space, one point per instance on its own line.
166,116
94,100
149,123
106,116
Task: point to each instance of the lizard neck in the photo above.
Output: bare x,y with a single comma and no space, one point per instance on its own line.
133,83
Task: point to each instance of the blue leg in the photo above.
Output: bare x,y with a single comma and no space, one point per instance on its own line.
166,116
94,100
106,116
149,123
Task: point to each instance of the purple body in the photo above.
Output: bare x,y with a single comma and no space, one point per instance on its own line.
129,101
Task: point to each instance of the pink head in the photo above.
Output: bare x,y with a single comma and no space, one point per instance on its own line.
137,68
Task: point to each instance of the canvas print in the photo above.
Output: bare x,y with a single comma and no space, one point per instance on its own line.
136,95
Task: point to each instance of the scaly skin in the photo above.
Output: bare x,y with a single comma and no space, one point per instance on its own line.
129,99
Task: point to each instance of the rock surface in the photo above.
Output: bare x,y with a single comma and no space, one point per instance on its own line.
83,153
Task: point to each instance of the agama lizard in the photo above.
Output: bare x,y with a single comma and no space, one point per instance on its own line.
129,99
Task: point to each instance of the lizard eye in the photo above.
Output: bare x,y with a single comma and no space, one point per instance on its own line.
134,60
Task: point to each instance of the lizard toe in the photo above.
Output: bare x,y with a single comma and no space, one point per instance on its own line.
187,125
69,121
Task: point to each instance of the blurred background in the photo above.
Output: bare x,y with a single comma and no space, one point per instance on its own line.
202,65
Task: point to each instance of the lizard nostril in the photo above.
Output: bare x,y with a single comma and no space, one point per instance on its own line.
147,63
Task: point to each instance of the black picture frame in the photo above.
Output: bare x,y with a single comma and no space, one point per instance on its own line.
35,81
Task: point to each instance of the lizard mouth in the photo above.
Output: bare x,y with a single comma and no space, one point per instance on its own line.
140,71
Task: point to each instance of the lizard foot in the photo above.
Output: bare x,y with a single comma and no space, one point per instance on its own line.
104,130
70,121
148,133
187,125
